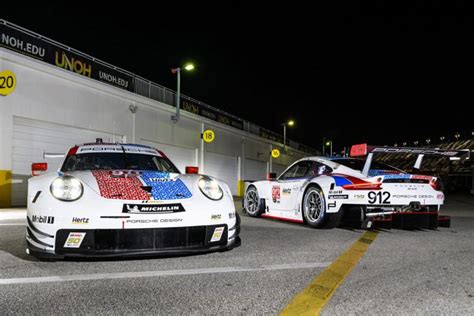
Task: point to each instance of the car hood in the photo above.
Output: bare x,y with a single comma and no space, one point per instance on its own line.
135,185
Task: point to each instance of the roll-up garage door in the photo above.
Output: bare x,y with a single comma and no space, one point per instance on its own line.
278,168
180,156
254,170
31,138
222,167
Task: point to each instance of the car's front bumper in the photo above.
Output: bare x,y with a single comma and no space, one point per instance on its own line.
130,242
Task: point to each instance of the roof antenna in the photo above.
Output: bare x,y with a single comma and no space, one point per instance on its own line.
99,141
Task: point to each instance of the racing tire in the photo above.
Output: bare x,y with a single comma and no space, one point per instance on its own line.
253,205
314,207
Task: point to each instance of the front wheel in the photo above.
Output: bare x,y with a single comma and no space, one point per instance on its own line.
314,207
252,203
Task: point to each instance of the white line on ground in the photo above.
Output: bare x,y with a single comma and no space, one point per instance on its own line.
14,224
16,214
148,274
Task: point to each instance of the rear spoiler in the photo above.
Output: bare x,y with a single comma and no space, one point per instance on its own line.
361,150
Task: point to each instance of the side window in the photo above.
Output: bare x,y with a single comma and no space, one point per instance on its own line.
318,169
300,170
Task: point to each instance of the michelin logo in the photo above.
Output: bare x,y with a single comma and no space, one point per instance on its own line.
152,209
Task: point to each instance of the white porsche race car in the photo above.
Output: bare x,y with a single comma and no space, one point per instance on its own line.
322,191
123,200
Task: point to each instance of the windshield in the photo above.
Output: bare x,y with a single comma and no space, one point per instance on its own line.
358,164
117,161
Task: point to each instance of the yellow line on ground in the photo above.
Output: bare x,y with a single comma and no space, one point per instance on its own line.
311,300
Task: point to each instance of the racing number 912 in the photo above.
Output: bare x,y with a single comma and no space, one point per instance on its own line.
379,197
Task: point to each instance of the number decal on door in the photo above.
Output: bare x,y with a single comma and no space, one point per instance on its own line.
379,197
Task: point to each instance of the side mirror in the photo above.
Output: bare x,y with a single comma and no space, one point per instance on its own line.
192,170
38,168
271,176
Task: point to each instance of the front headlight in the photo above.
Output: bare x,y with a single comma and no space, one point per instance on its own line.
66,188
210,188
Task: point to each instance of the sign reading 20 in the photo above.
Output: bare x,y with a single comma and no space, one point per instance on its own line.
7,82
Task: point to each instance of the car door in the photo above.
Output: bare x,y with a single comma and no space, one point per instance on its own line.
284,191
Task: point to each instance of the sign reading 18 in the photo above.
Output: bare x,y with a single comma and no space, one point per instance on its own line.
379,197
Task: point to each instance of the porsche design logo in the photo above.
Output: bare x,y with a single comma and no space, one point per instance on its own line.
152,209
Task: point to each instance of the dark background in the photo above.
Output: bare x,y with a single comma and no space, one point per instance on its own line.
368,71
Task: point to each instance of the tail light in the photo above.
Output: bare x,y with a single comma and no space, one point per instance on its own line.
38,168
363,186
192,170
436,184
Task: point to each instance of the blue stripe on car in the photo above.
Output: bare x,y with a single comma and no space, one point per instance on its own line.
340,181
163,187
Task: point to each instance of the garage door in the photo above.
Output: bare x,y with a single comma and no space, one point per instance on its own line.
278,168
222,167
31,138
255,170
180,156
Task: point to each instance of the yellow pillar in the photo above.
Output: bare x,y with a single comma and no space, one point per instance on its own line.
5,188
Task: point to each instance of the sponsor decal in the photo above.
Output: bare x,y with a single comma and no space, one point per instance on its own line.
332,205
51,53
440,196
217,235
152,209
339,197
232,215
335,191
405,196
216,217
161,179
286,191
74,240
153,221
42,219
359,196
276,194
427,196
151,202
80,220
72,63
210,113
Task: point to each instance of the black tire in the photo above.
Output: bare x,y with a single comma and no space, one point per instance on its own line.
314,207
252,202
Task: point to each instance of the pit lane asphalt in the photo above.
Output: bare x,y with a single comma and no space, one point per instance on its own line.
403,272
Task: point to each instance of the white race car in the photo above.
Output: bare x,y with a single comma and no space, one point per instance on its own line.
123,200
322,191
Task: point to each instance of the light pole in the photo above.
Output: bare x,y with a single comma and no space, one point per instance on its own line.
290,123
177,71
329,144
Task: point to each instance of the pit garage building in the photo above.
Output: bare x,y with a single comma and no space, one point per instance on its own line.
55,97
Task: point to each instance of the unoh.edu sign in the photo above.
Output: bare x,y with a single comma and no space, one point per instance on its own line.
50,53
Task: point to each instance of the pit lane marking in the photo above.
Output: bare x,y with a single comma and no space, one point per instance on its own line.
315,296
161,273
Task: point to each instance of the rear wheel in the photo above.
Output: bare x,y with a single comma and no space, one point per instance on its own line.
314,207
252,203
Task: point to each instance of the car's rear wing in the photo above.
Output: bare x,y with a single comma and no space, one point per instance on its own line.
362,150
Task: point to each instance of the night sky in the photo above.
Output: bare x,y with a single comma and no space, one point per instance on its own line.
369,71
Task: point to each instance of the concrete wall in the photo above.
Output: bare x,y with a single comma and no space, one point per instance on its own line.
51,107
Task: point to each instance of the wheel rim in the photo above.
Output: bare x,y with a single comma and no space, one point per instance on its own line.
251,201
314,205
